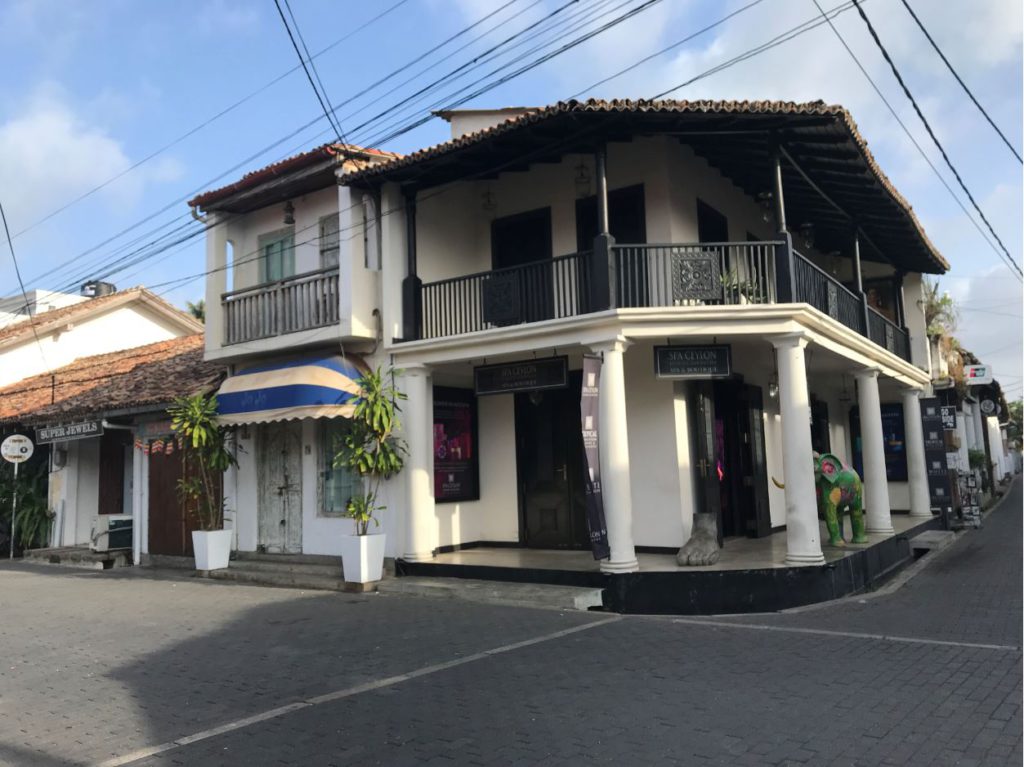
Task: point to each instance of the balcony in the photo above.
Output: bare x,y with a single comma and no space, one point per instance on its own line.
300,302
701,274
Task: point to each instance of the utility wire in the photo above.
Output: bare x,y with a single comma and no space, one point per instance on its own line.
192,131
931,133
906,130
960,80
306,66
24,293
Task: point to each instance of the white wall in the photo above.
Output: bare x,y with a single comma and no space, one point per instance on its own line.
123,327
87,489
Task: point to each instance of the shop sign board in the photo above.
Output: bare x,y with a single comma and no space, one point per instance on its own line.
978,375
525,375
948,413
456,466
940,489
693,362
17,448
590,425
69,431
989,407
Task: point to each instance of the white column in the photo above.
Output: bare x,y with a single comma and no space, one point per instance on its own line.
979,435
216,279
614,448
139,500
917,468
969,428
420,522
877,513
803,533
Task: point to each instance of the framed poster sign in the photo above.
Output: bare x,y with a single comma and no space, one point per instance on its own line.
527,375
456,464
893,440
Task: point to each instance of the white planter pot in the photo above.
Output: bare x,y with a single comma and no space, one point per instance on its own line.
362,557
212,548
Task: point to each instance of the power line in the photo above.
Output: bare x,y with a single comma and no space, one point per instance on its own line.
906,130
192,131
960,80
24,293
306,66
931,133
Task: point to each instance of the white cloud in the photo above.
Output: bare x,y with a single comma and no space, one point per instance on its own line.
223,16
50,153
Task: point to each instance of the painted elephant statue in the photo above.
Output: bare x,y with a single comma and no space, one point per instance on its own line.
839,492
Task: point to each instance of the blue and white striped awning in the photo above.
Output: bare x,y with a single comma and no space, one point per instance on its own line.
310,387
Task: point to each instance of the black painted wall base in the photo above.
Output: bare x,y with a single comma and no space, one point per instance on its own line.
711,592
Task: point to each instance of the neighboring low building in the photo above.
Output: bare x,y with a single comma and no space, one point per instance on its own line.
102,424
105,323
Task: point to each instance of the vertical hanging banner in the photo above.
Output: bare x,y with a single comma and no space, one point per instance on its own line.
933,422
590,423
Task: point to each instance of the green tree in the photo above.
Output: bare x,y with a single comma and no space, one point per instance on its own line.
370,447
941,313
1015,416
204,457
197,309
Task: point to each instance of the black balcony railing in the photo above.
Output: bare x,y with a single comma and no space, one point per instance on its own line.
704,274
302,302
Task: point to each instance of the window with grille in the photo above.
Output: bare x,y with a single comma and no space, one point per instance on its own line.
330,239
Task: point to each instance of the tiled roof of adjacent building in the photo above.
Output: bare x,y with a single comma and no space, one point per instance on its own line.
347,154
55,318
128,380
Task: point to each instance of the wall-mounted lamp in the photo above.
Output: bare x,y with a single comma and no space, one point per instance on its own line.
289,213
773,386
582,180
765,201
806,232
487,201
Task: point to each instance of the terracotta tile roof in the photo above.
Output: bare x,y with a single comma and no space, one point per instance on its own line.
600,106
44,321
357,157
146,375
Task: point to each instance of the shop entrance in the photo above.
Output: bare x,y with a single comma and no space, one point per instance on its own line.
731,472
549,456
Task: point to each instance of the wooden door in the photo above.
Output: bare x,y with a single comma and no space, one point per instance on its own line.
627,223
517,241
279,456
113,446
550,462
709,493
757,514
170,528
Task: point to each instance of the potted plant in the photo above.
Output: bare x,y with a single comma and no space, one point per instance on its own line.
204,459
370,449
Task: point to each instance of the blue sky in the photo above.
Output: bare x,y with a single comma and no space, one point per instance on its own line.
90,88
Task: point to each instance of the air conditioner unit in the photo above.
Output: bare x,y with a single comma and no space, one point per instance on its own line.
111,532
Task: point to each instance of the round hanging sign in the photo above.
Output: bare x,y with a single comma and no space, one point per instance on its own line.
988,407
17,448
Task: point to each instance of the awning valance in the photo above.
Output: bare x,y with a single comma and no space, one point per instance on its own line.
310,387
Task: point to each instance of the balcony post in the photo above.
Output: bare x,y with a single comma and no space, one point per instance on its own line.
858,276
602,277
412,285
901,307
785,291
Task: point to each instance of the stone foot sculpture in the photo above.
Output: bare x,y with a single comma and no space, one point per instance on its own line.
702,548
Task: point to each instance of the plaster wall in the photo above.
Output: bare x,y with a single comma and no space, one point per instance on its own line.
87,490
124,327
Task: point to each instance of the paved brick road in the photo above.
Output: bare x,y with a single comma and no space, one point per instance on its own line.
100,665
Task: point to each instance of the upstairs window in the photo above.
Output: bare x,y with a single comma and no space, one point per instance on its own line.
330,240
277,255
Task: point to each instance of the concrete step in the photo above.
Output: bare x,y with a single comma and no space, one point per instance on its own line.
283,579
496,592
932,540
328,569
293,559
79,556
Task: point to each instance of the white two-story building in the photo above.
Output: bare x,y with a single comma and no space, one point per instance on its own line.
745,275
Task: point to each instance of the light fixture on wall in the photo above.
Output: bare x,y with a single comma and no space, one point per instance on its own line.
845,396
835,260
582,180
765,201
487,200
773,386
289,213
806,232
